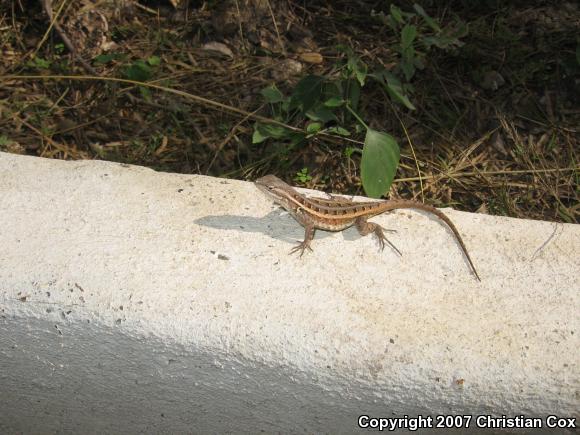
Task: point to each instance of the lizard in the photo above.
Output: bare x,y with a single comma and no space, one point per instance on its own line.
338,213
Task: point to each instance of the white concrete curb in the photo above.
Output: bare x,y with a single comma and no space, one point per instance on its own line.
135,301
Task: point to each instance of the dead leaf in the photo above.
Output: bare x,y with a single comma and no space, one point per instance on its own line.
286,69
311,57
219,47
498,143
482,209
162,147
492,80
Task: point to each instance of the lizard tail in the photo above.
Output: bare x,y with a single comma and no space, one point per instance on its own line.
444,218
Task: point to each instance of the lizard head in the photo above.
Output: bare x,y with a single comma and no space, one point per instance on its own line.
275,188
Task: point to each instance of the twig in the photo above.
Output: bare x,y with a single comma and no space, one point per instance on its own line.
276,28
42,135
228,137
197,98
146,9
474,173
47,6
240,22
412,149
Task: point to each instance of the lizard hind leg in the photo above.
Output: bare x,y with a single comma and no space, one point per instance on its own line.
365,228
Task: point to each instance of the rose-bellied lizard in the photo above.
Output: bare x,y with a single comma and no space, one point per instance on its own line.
339,213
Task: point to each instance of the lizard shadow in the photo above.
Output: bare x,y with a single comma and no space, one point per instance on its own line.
281,226
278,225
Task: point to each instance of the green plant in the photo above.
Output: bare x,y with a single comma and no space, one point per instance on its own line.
419,33
103,59
59,48
38,63
141,71
330,106
302,176
325,106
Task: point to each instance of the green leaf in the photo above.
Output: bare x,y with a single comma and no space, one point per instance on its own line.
39,63
408,35
275,131
332,90
321,113
306,93
448,38
348,151
265,131
154,60
302,176
285,105
272,94
258,137
442,41
396,14
104,58
145,93
139,71
296,138
339,130
358,68
361,73
392,23
379,162
109,57
430,21
395,90
334,102
353,94
313,127
408,68
393,87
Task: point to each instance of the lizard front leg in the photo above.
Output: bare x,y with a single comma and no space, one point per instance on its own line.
305,244
365,228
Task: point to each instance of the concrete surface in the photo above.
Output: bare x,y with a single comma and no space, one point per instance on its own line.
135,301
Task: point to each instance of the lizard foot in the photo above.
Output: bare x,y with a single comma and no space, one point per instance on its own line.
302,246
383,241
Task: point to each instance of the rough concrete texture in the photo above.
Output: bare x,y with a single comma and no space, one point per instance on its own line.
137,301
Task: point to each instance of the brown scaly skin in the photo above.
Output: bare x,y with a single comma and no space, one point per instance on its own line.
338,213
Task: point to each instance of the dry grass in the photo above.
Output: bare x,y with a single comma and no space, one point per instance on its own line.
510,151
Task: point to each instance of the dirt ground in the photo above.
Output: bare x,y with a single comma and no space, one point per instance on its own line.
486,115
